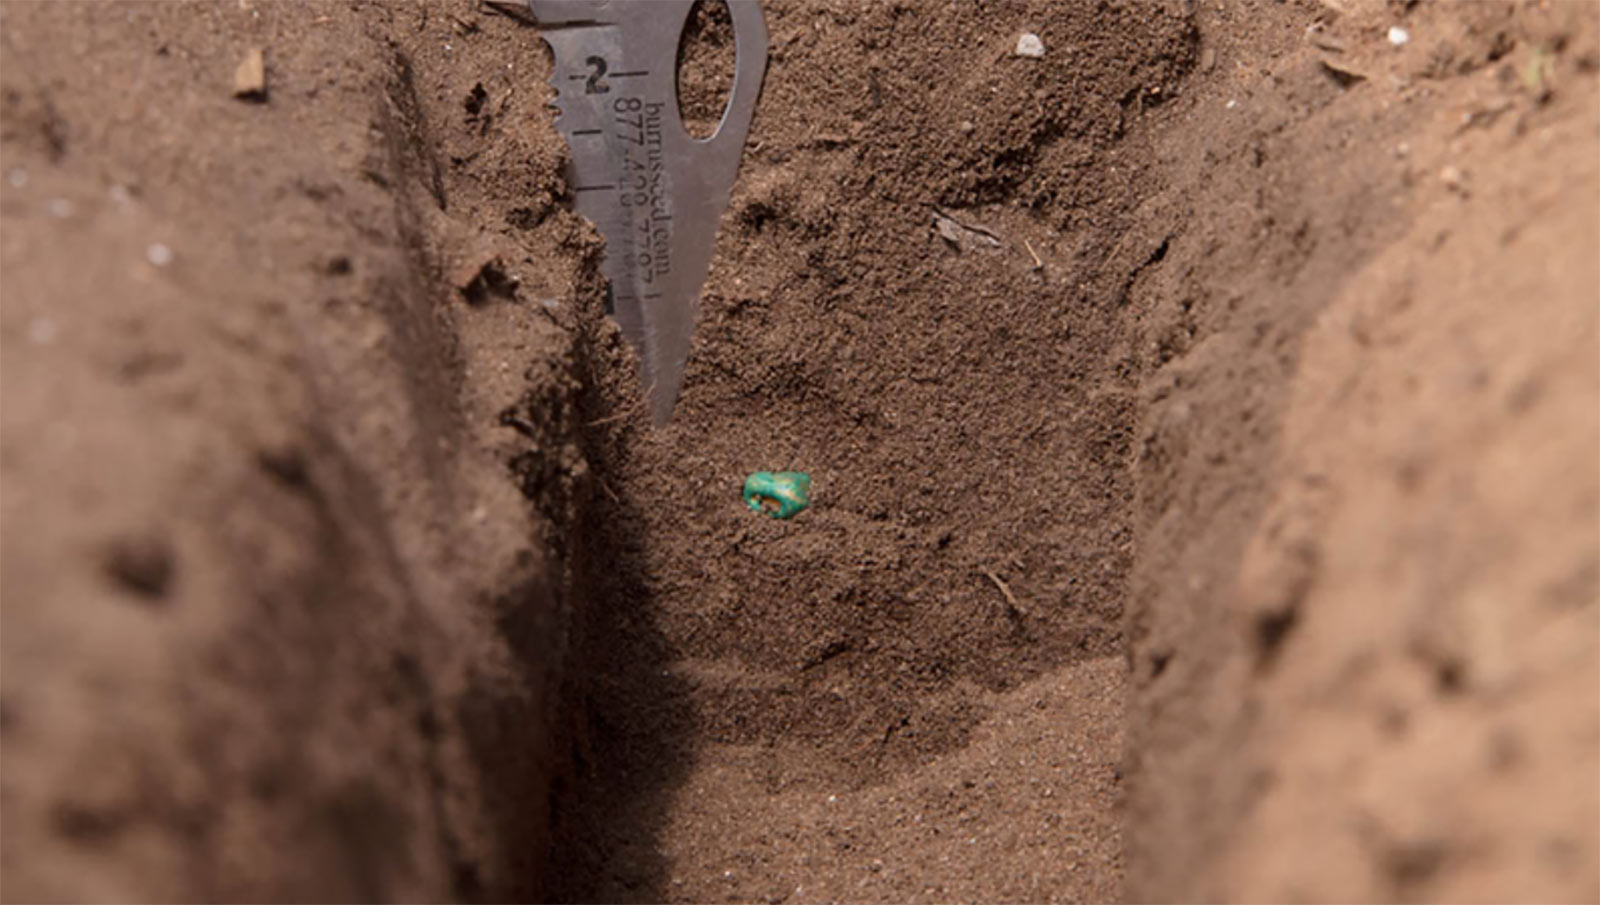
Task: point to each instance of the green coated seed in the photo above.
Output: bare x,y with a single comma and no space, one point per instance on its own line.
779,494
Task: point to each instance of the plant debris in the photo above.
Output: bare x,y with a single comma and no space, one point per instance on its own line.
250,78
963,236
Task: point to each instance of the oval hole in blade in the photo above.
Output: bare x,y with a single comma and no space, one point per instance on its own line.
705,67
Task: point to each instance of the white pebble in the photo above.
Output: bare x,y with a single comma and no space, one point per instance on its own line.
1398,35
60,208
158,254
18,177
1231,104
1029,45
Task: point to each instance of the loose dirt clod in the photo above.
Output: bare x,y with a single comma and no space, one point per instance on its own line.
1322,39
482,275
1342,72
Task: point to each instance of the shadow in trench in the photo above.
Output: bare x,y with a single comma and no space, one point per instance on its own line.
628,723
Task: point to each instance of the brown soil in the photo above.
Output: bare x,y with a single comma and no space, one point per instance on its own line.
1229,528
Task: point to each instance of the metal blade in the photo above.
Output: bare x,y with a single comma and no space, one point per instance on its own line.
655,192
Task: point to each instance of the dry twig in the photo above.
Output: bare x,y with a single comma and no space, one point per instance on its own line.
1033,254
1011,599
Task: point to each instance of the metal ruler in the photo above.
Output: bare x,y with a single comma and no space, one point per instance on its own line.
655,192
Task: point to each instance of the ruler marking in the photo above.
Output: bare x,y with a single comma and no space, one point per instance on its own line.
649,248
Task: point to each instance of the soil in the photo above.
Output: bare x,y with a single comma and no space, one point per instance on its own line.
1203,422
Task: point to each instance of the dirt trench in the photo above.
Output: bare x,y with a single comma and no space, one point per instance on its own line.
1211,514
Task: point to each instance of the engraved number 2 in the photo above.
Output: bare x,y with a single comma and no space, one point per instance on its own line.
595,85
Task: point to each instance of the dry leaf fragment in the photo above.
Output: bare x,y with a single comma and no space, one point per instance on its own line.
962,235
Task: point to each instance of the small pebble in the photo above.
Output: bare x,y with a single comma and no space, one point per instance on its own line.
60,208
1231,104
158,254
966,126
1398,35
119,194
1029,45
18,177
